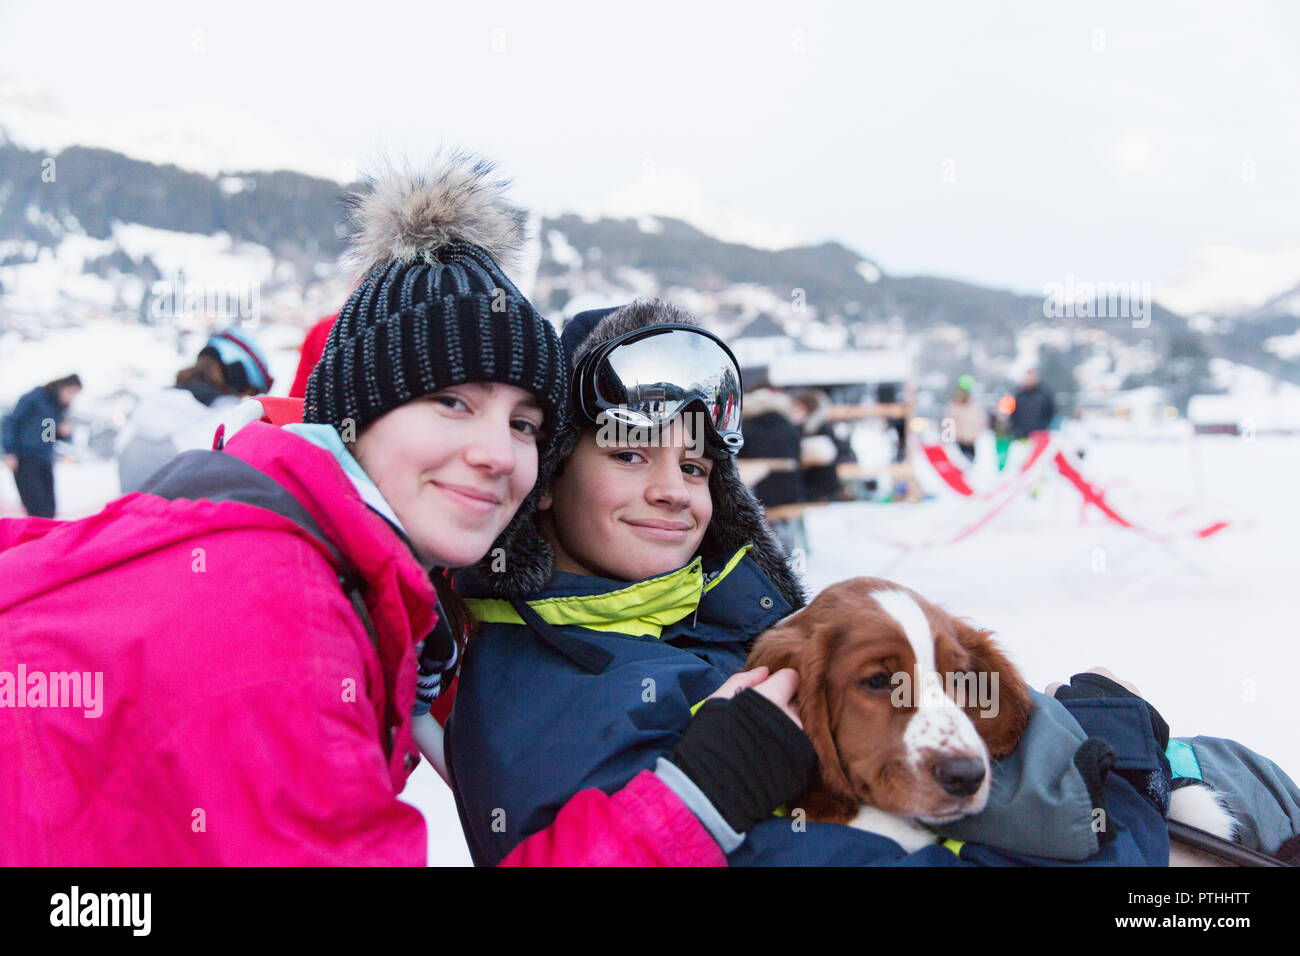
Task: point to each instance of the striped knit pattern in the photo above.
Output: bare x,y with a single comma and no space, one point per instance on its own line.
414,328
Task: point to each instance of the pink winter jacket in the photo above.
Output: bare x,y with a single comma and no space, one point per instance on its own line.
242,710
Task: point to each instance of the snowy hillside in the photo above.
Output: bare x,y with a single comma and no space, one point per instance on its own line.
1227,280
94,228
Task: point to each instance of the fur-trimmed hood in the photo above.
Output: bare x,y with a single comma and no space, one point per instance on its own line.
525,568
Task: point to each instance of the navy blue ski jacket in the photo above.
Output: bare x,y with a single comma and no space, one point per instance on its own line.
534,723
24,426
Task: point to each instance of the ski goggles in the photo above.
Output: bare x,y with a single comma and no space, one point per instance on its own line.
647,377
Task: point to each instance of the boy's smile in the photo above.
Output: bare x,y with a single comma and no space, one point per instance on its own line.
629,511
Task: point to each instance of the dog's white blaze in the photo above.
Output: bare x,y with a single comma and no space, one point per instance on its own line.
900,606
938,723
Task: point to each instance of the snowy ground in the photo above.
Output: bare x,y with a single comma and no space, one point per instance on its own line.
1204,627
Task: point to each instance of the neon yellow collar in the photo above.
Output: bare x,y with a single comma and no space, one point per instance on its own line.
644,608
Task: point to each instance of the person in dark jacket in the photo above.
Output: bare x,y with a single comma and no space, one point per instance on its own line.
1034,409
30,430
823,450
893,393
774,437
597,642
770,461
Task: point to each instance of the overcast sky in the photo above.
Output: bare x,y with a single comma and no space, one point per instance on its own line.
1007,143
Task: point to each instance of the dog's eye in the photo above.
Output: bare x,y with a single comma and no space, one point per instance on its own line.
877,681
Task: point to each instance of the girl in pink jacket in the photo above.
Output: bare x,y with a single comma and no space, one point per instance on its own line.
222,667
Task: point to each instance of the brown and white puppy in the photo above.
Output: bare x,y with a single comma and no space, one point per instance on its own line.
904,703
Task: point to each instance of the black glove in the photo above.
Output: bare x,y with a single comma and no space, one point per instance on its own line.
746,756
1154,785
1094,685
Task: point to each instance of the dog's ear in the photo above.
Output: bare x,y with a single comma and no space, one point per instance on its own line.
1012,704
779,647
806,646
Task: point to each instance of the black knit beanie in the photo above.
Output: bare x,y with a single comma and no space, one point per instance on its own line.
435,308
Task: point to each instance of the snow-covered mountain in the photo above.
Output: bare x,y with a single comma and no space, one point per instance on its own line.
1226,280
88,233
1221,280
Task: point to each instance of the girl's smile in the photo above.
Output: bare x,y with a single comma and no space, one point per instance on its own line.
455,466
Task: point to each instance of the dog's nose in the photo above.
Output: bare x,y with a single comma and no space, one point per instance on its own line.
960,776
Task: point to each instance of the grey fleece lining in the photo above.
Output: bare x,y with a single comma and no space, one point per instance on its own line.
1262,798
